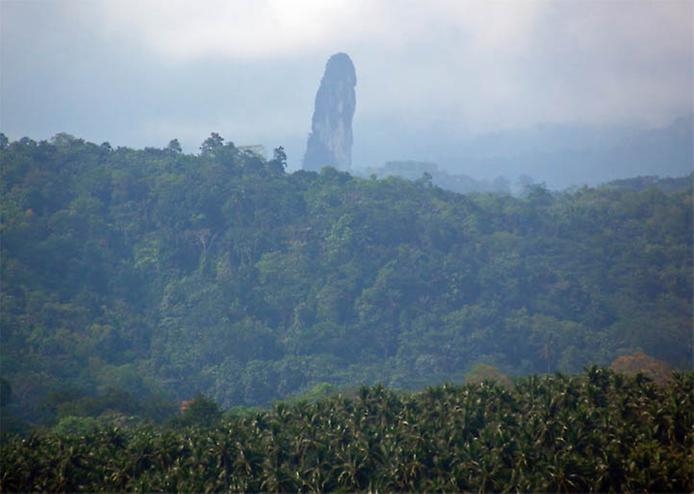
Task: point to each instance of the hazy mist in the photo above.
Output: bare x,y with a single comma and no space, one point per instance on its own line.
560,91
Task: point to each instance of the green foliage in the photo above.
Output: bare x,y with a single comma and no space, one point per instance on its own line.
5,393
200,411
159,275
481,373
317,392
595,432
76,426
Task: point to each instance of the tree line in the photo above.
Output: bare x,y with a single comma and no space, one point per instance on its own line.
594,432
134,279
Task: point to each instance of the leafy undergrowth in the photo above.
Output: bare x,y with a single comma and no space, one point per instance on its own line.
598,431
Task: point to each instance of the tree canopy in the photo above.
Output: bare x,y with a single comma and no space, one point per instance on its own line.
160,275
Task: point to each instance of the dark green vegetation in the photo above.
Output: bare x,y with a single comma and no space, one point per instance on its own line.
132,279
596,432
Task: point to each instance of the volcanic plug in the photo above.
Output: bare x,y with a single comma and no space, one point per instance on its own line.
330,140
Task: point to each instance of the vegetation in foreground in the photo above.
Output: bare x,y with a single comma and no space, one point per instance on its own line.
598,431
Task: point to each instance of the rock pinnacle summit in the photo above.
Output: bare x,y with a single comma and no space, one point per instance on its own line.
330,140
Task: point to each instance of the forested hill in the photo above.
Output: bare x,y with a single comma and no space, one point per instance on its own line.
156,274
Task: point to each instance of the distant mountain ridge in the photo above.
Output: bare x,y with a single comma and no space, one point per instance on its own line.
560,156
419,170
463,184
666,184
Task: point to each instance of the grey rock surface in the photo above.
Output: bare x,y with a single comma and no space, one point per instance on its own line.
330,140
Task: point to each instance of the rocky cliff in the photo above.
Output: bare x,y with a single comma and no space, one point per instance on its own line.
330,140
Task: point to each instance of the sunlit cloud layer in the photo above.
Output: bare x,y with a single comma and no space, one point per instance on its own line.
182,30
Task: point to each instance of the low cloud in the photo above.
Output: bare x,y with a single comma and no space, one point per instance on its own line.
254,65
182,30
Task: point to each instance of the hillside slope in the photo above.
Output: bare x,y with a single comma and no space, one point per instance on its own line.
159,275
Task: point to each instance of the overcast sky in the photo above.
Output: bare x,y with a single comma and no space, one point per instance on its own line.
142,72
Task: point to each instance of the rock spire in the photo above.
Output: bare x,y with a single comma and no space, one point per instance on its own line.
330,140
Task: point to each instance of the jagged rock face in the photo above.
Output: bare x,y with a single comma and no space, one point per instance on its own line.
330,140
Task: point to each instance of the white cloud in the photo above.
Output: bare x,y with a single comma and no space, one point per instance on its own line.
186,29
251,67
479,63
240,29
